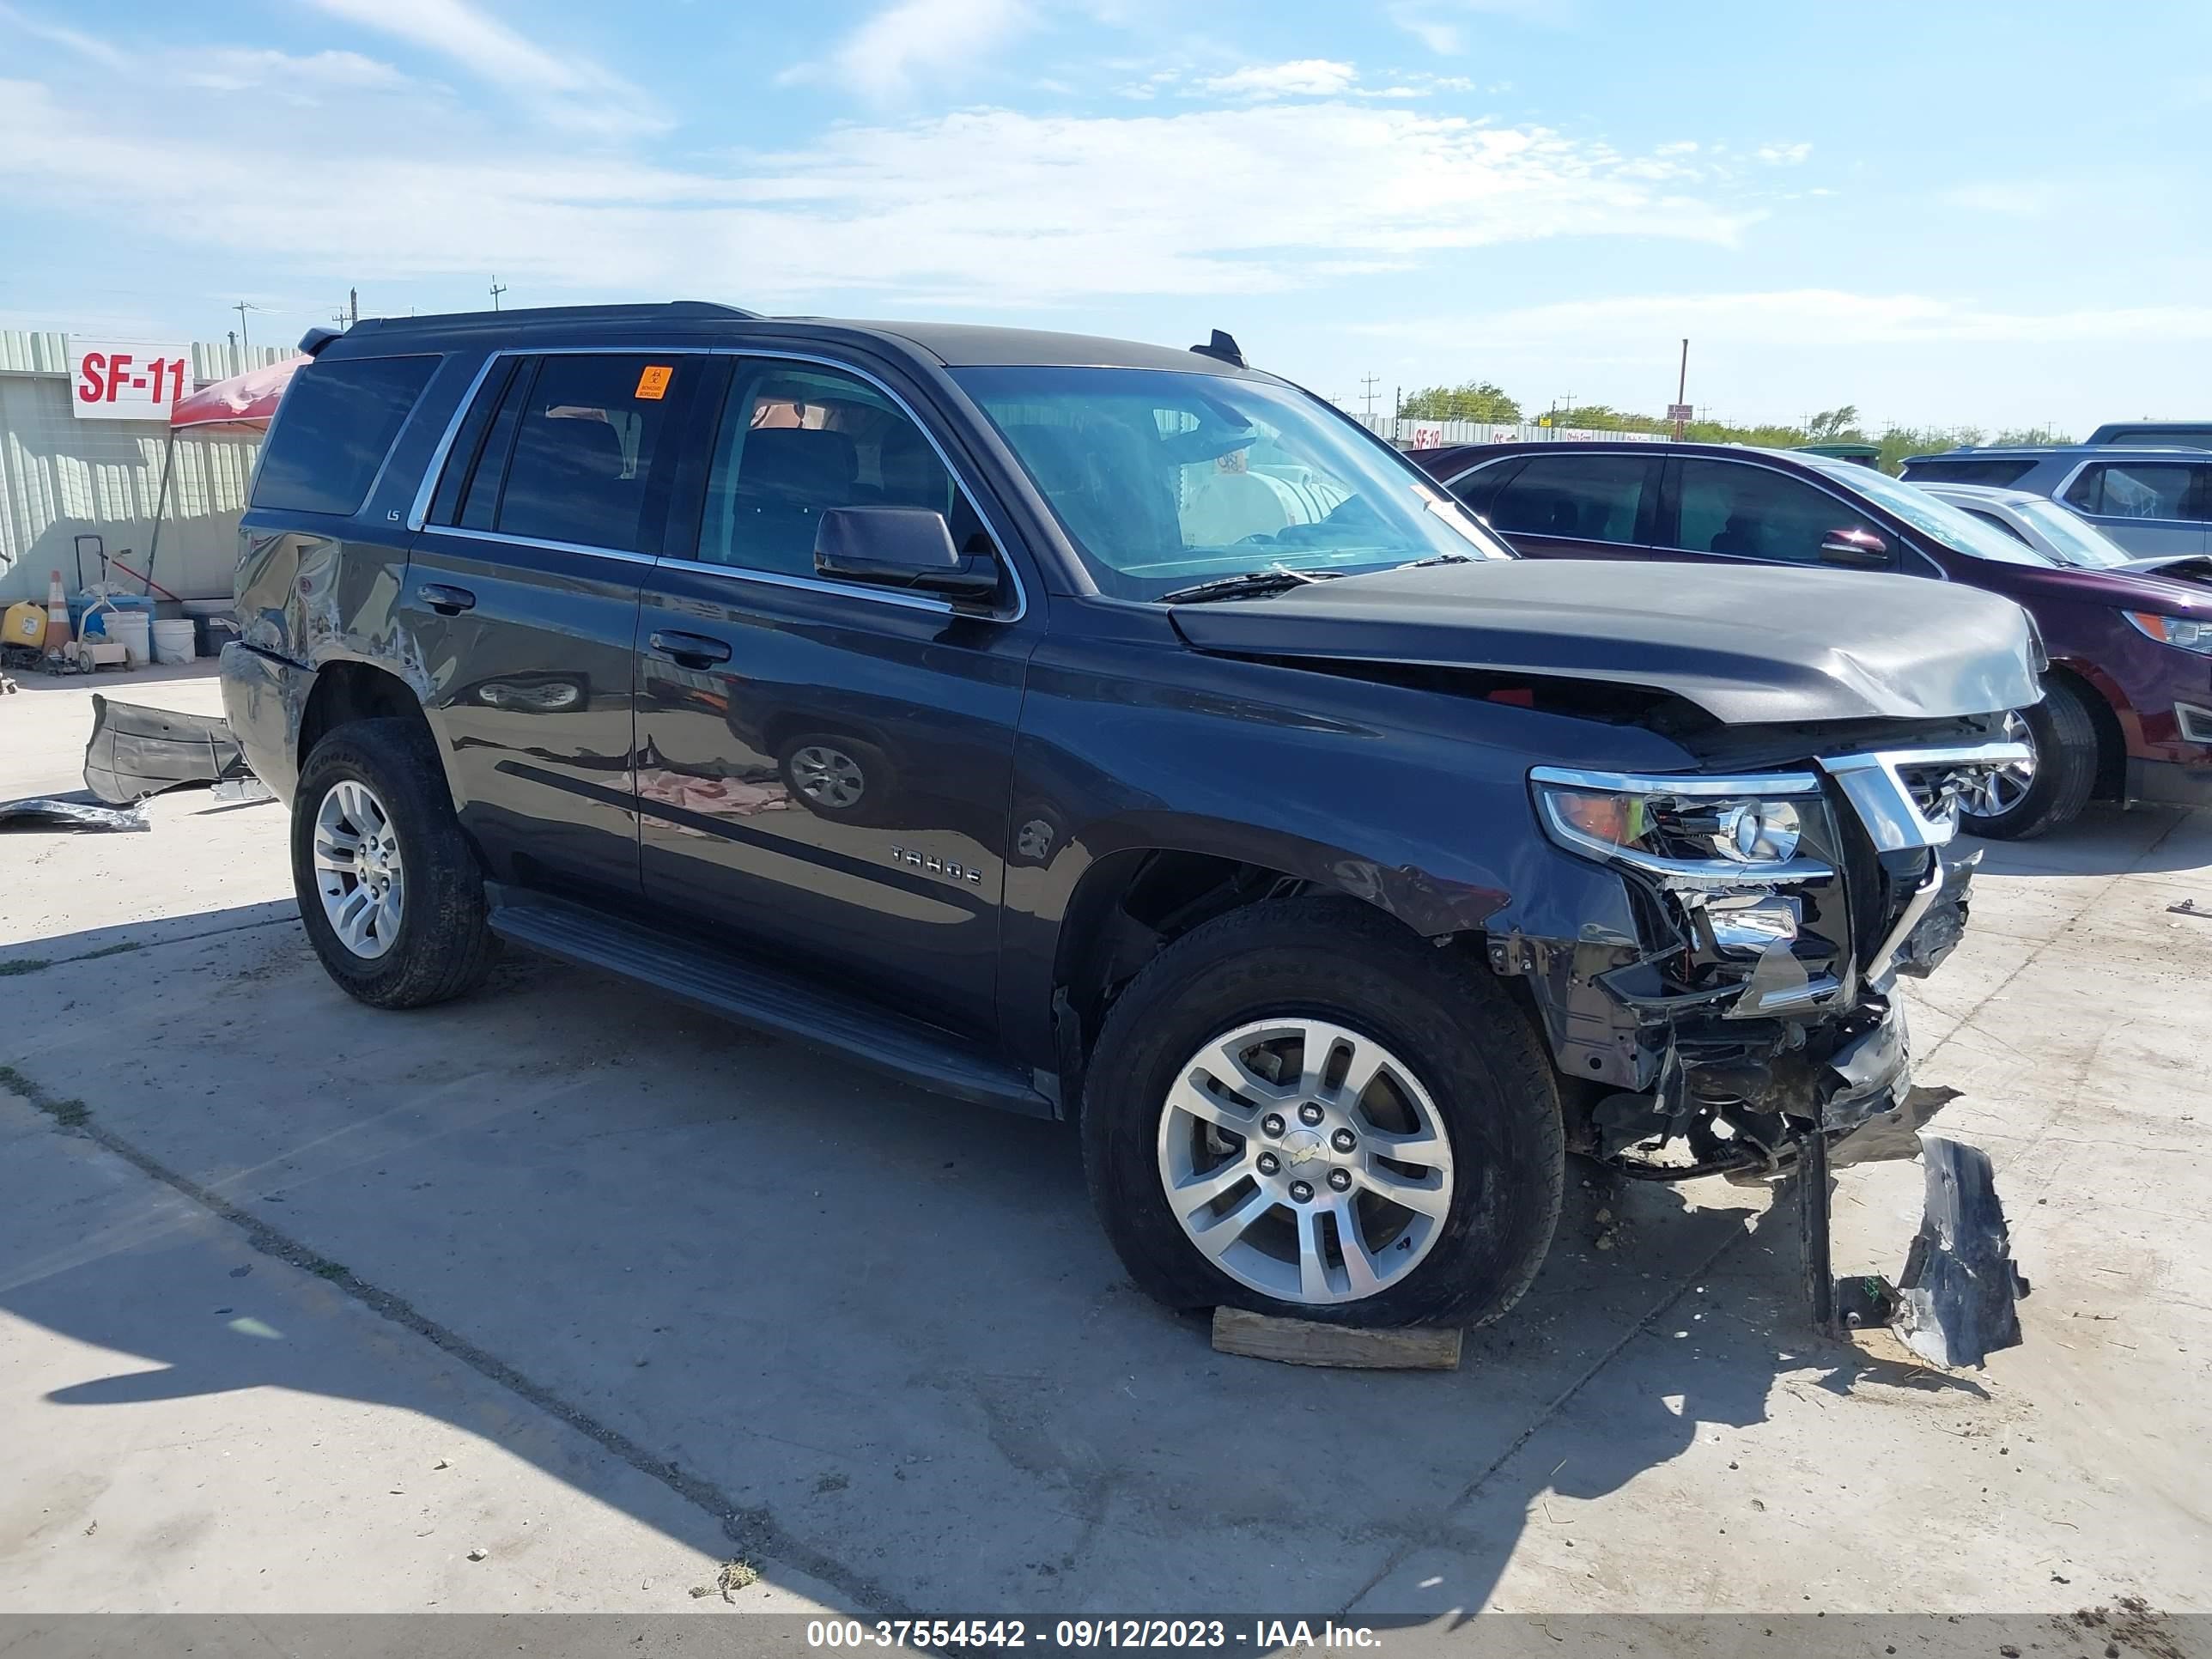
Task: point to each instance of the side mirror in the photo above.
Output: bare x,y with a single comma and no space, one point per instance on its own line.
909,547
1859,550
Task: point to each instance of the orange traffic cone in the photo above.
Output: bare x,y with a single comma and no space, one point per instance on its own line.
58,623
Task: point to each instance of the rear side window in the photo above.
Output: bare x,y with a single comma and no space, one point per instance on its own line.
1590,498
336,426
564,448
2133,489
1998,473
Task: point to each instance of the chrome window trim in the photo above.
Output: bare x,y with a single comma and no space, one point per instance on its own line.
2058,492
420,511
816,585
1893,819
423,491
545,542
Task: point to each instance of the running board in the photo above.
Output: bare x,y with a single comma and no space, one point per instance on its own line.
905,1048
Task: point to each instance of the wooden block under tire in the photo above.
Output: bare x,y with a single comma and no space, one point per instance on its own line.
1302,1342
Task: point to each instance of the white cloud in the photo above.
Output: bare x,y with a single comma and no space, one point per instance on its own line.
1805,317
242,68
564,87
59,35
2012,201
885,57
983,208
1437,24
1784,156
1306,78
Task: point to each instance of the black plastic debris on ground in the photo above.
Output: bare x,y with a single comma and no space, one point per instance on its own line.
1957,1294
51,812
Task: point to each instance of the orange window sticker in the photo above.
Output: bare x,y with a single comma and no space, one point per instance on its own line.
653,383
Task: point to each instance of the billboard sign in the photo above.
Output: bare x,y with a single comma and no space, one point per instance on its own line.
126,380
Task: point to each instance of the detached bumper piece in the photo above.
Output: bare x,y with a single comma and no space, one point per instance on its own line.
1956,1301
136,752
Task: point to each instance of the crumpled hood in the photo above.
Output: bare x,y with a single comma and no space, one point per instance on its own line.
1747,646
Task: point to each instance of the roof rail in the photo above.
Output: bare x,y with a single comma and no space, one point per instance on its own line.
526,314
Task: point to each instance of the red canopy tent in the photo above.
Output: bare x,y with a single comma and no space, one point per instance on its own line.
244,403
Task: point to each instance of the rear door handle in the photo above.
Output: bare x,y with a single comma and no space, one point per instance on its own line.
689,650
445,601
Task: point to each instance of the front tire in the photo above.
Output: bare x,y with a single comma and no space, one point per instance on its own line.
389,893
1302,1109
2062,732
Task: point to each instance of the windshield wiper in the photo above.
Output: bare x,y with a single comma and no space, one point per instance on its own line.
1249,584
1441,558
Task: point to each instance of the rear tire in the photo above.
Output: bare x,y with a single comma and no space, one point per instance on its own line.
1462,1056
2062,732
442,944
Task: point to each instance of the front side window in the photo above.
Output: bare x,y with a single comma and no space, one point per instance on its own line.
2132,489
1590,498
796,440
1163,477
336,424
1955,527
1751,512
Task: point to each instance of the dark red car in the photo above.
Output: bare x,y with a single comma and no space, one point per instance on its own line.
2127,709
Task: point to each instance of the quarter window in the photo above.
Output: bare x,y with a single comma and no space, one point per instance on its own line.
1751,512
1999,473
1590,498
796,441
337,425
2134,490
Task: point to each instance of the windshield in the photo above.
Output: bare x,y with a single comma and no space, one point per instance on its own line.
1162,479
2079,542
1955,527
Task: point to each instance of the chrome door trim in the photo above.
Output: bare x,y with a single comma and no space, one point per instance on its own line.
419,512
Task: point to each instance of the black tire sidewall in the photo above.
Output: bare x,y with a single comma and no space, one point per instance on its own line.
1472,1053
2066,759
442,943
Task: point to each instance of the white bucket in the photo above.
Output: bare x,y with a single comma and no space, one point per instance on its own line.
130,629
172,641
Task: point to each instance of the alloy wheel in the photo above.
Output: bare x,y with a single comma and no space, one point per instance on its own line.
357,869
2003,787
1305,1160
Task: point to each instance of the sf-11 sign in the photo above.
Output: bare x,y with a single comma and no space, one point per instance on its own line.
126,380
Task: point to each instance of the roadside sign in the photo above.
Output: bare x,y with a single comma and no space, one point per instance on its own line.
1428,436
1681,412
126,380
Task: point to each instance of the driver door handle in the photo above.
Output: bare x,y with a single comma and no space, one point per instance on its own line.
689,650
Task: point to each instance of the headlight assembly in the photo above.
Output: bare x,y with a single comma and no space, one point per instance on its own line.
1698,831
2173,630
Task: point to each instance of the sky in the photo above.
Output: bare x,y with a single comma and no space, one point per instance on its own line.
1966,213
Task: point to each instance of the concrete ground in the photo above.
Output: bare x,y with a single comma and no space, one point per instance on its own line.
303,1305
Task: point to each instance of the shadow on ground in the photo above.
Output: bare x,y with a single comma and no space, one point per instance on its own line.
882,1329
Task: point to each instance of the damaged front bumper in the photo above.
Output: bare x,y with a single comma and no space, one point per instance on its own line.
1736,1014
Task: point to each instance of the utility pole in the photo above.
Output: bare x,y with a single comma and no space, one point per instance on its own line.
245,340
1681,391
353,307
1367,385
498,288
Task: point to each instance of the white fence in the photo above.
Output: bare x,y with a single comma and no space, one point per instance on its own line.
1433,434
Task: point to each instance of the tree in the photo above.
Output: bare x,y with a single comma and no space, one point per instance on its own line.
1834,425
1471,400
